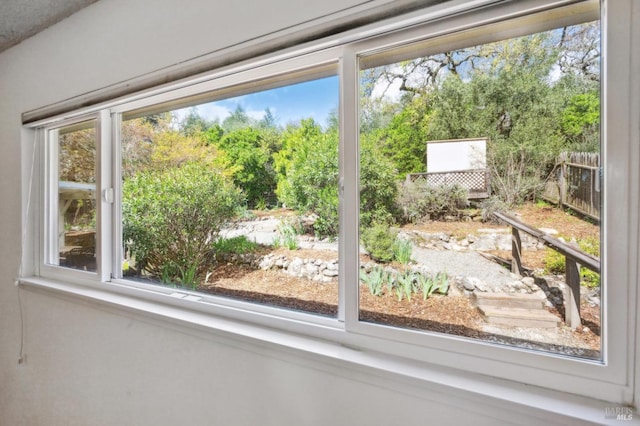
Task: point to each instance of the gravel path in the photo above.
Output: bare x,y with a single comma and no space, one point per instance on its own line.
465,264
454,263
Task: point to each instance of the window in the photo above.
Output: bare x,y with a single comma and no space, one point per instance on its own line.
498,127
237,197
72,151
323,191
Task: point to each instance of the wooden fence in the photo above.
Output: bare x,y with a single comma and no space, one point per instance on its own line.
575,183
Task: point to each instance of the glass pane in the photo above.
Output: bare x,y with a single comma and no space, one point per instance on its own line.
237,197
448,144
76,197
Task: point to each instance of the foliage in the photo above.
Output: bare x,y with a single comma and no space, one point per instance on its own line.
307,173
252,165
402,250
490,206
77,156
288,236
554,262
429,285
378,241
420,201
403,141
580,121
378,187
171,217
404,284
375,280
235,245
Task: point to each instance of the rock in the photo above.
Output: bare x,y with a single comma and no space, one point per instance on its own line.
309,270
586,329
471,283
266,263
332,266
295,267
330,272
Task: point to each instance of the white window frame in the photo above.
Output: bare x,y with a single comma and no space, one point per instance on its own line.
609,380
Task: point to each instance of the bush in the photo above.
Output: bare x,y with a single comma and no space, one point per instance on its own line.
554,262
235,245
378,187
171,217
420,201
378,241
490,206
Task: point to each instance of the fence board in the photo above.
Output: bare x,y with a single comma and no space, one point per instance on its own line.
576,183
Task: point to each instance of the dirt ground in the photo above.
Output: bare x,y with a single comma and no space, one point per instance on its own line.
452,314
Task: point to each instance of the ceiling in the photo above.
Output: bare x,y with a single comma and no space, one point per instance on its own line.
20,19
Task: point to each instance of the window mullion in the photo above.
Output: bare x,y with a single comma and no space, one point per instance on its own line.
349,247
104,196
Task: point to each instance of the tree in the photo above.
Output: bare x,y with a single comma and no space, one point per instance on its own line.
252,165
404,140
194,124
237,120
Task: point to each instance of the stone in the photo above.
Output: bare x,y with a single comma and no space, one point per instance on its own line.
330,272
529,282
471,283
295,267
332,266
266,263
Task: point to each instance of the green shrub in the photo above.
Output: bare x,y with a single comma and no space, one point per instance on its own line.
171,217
378,241
420,201
378,186
555,263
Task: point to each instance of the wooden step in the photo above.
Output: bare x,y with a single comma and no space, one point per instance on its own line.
509,300
518,317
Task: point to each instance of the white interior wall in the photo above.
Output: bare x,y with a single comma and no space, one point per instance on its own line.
88,364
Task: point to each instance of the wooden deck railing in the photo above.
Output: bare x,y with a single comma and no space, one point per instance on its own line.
574,259
476,182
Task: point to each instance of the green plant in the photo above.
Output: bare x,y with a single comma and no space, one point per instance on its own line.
375,280
420,201
171,217
429,285
554,262
402,250
404,285
288,236
234,245
378,241
490,206
442,282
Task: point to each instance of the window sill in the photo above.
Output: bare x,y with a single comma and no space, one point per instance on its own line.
492,396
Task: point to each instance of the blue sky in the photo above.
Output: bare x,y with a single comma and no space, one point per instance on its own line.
312,99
